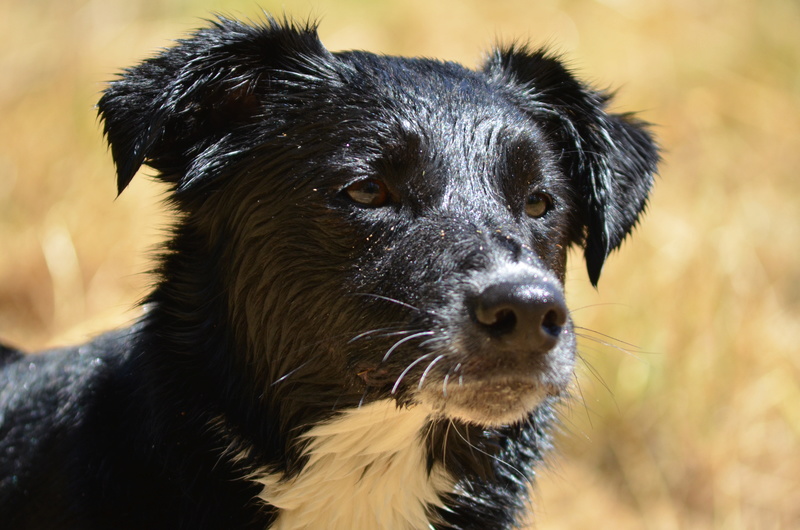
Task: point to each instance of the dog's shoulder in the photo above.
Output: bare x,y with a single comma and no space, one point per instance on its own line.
49,403
55,384
73,366
50,392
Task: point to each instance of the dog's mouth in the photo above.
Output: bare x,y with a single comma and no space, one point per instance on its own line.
486,394
490,403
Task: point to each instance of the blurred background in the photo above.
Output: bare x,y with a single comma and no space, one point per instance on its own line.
687,401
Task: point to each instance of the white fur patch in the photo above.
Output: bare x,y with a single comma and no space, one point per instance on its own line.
366,470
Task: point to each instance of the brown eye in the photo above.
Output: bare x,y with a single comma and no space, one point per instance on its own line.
538,204
369,192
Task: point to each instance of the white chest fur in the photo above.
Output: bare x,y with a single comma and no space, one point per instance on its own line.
366,470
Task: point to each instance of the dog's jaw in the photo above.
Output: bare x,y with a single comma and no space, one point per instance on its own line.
366,469
490,403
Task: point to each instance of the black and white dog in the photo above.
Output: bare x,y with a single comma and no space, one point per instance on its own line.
359,319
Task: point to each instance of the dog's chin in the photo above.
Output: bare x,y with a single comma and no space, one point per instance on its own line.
488,403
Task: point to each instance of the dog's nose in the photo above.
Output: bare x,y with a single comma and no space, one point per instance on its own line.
524,315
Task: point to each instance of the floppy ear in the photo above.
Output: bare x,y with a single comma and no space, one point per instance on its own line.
612,157
175,112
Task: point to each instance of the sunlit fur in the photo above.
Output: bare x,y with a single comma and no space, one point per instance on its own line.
312,357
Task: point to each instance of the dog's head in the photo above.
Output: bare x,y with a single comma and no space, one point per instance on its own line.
383,226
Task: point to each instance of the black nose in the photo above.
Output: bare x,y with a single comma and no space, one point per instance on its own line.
525,315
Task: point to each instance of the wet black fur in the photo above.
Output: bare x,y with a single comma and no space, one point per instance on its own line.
277,297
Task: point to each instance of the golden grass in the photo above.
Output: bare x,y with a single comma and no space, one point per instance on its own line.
697,425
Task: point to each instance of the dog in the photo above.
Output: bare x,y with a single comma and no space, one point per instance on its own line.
358,321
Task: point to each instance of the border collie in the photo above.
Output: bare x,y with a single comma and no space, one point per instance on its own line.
358,321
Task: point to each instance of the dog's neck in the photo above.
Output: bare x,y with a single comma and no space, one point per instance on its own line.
367,468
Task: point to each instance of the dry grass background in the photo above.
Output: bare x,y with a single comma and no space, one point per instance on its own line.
697,425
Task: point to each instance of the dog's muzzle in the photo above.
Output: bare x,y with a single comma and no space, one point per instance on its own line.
511,347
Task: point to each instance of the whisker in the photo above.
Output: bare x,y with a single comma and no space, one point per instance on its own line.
460,376
596,373
363,397
382,334
444,443
524,478
289,374
631,353
401,341
591,335
318,343
583,399
590,306
408,369
388,299
428,437
431,340
428,369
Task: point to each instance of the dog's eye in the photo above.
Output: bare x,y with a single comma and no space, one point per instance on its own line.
369,192
538,204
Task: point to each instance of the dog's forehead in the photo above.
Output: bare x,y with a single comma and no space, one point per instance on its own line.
437,112
427,91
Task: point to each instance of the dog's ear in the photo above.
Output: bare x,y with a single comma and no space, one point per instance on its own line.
176,111
612,157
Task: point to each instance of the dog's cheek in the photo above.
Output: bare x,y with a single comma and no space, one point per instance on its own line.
288,262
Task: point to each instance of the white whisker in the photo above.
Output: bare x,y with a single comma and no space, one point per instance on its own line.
428,369
401,341
408,369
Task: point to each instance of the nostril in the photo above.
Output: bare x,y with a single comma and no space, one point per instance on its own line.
552,323
499,322
523,314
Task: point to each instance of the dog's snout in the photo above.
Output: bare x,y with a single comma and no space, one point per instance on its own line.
525,315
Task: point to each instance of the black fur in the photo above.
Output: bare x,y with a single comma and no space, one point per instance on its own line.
279,294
